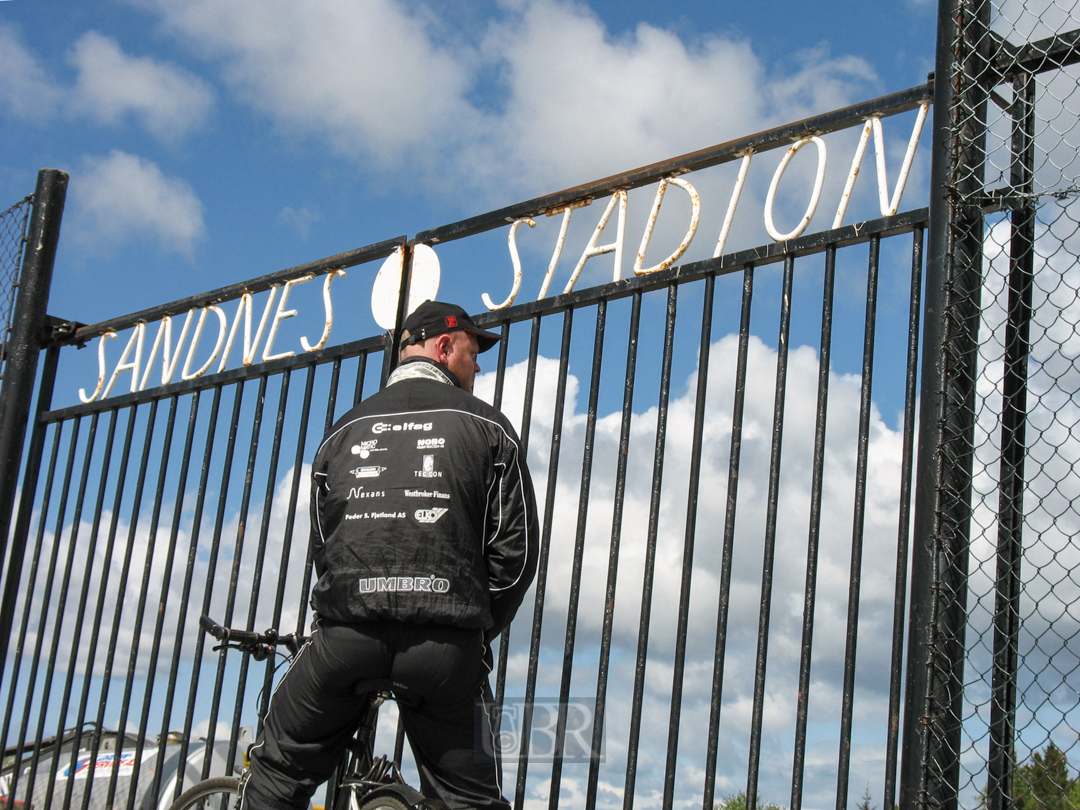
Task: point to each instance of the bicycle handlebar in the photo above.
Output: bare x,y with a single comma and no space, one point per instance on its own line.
258,645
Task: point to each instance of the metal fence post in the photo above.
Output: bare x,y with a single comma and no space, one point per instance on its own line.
24,347
936,641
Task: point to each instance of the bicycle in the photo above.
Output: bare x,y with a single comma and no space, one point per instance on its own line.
367,782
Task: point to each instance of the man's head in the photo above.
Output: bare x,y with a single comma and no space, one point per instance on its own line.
446,334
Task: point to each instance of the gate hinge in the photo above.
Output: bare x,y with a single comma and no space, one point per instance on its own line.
57,330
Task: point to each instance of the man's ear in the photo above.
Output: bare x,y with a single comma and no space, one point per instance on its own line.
444,344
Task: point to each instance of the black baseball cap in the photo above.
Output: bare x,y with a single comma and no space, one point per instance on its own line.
433,318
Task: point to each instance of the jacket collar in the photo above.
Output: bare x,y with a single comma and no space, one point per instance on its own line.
422,368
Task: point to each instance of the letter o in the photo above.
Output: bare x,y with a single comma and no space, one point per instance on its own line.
818,183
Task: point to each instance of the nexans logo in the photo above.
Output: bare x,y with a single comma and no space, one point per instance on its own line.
386,427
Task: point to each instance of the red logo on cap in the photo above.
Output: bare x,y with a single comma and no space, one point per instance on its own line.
451,321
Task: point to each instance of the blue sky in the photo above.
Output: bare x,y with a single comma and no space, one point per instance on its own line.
209,143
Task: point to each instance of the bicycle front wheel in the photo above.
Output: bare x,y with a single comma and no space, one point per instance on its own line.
219,793
384,803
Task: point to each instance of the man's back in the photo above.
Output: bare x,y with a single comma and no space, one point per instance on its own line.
420,504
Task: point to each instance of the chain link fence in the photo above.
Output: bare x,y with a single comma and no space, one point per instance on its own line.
13,223
1006,633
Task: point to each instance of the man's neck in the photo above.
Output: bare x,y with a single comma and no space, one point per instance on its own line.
422,368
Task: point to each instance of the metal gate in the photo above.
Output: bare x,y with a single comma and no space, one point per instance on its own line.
723,445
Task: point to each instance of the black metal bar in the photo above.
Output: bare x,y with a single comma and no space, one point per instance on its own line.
264,530
504,640
613,552
1014,384
238,553
401,312
858,526
80,616
724,597
118,611
930,768
681,631
149,550
904,524
23,348
60,613
579,553
813,543
650,551
319,267
24,624
290,514
211,571
35,450
693,161
540,584
769,551
44,599
358,393
97,624
180,610
189,574
1052,53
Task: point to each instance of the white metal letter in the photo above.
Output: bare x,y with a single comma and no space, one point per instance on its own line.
856,164
515,258
618,198
281,315
556,254
135,343
223,327
169,359
328,309
818,183
695,215
888,206
243,310
101,369
733,203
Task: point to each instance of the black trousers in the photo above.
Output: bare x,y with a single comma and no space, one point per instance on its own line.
314,711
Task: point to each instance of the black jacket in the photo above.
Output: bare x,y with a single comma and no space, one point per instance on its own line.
422,509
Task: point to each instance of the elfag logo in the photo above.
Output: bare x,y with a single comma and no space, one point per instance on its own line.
451,321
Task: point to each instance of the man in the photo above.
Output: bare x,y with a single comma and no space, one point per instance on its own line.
424,533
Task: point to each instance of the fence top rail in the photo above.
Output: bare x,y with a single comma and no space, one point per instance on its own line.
811,244
1052,53
843,118
350,258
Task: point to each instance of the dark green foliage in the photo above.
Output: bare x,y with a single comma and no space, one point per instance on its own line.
737,801
1044,782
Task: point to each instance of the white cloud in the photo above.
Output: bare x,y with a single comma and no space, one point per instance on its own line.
365,76
26,91
376,81
122,196
112,85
